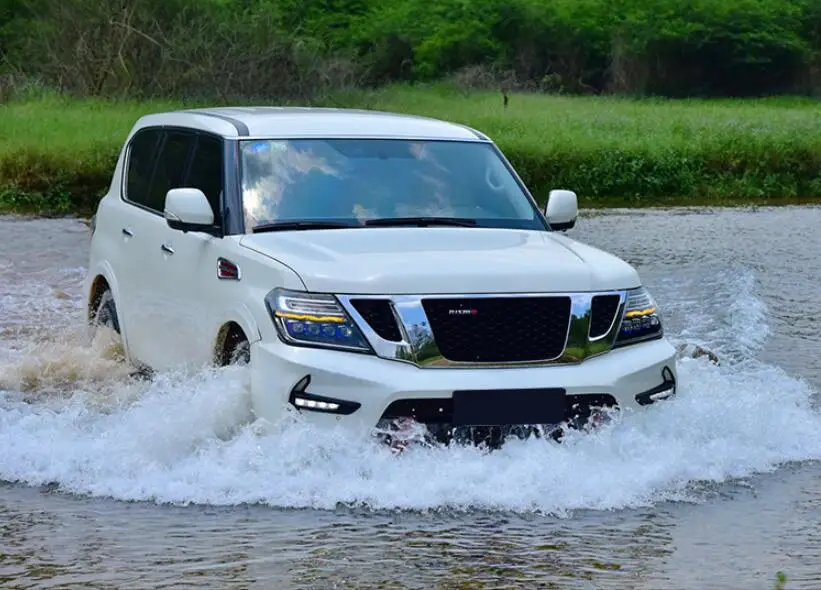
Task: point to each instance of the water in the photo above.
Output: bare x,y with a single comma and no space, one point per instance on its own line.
114,482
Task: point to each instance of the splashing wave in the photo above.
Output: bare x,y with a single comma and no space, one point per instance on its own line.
187,438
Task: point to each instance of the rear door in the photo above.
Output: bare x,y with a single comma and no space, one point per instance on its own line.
158,161
134,227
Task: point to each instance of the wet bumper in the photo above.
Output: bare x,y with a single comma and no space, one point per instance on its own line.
353,390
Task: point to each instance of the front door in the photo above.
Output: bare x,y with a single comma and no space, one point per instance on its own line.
188,273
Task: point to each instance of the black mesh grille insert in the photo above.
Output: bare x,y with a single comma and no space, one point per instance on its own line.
378,314
499,329
603,309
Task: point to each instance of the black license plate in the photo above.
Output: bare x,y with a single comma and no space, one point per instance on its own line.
500,407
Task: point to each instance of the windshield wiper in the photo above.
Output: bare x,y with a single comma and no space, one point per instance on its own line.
385,222
297,225
421,221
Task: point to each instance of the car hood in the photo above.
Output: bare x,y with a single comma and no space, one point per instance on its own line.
408,260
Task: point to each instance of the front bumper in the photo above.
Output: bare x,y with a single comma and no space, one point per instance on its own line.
630,377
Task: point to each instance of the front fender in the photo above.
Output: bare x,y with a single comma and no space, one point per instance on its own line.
242,316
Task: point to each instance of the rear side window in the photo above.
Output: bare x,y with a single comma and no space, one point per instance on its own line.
142,156
206,171
172,165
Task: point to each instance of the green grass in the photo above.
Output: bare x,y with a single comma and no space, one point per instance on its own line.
643,152
56,155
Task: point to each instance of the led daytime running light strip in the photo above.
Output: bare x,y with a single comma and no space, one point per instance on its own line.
640,312
301,402
311,318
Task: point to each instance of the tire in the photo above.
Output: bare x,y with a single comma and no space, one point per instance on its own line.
237,349
106,314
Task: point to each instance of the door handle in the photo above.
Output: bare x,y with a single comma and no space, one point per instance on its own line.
167,248
128,232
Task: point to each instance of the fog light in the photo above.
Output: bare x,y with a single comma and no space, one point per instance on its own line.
664,391
664,394
303,400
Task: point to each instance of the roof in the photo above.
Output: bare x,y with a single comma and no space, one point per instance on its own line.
311,122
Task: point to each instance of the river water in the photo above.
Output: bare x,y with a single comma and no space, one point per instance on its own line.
112,483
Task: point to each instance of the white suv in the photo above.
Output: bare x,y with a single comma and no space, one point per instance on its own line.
373,269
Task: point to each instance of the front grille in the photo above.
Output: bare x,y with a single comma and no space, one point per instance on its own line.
603,308
499,329
378,314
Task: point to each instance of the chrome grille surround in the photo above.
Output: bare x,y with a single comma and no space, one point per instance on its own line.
418,345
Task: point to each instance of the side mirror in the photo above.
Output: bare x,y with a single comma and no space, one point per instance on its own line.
188,209
561,210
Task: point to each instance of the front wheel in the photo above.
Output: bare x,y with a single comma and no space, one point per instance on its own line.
240,354
237,349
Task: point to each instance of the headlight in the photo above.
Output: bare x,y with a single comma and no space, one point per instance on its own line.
641,319
314,319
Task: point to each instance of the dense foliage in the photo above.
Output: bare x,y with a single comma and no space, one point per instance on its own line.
227,49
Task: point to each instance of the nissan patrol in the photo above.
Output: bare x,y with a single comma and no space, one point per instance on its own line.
372,269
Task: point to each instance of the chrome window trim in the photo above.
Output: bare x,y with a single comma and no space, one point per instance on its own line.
423,352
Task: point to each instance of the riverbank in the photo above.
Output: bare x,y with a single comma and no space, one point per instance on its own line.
57,155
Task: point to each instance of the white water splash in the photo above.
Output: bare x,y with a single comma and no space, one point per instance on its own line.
188,438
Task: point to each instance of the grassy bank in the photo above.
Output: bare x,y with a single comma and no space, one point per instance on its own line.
57,155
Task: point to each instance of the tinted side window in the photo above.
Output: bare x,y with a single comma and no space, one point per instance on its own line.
171,167
206,171
141,164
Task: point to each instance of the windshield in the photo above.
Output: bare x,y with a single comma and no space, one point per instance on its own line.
355,181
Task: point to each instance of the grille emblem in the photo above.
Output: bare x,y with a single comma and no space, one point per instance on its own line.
471,311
